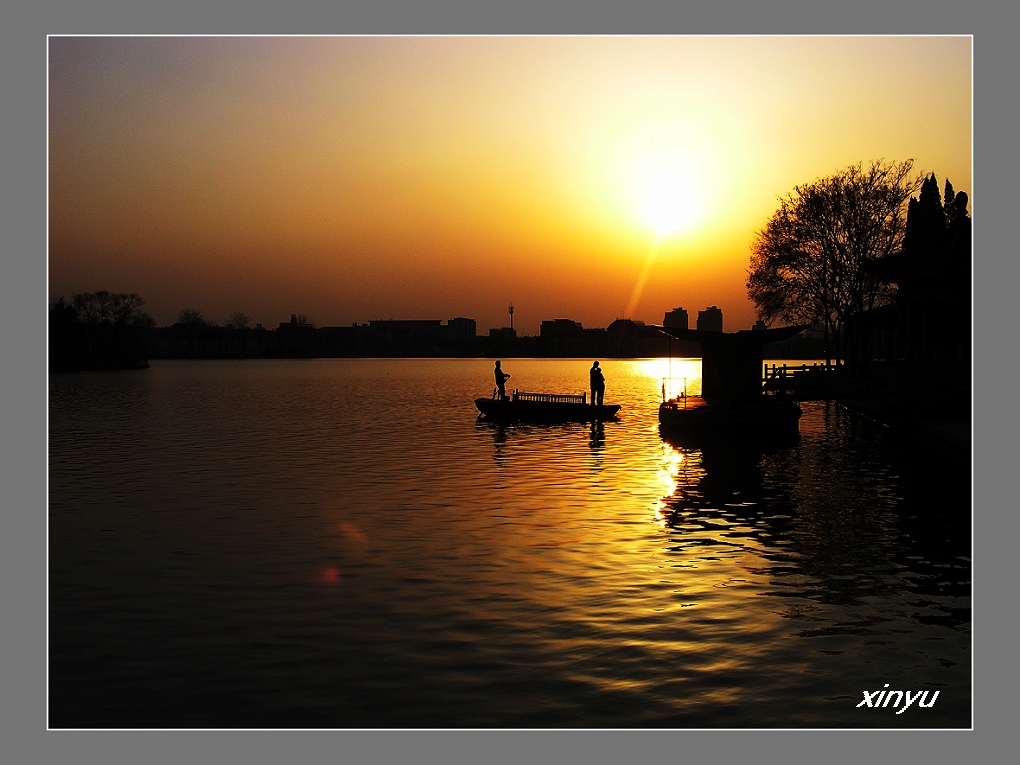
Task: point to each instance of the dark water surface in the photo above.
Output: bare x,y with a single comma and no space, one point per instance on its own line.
342,544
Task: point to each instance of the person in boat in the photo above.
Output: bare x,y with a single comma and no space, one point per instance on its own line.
501,378
598,384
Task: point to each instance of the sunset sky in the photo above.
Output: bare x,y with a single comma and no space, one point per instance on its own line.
358,178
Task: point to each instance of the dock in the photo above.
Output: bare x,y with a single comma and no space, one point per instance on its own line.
804,382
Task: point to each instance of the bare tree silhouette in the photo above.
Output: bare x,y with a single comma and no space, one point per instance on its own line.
809,262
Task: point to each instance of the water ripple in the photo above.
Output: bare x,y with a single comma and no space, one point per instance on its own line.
343,543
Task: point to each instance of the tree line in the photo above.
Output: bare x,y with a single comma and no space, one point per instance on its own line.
110,330
97,331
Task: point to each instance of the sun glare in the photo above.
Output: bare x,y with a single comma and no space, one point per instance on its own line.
664,188
667,201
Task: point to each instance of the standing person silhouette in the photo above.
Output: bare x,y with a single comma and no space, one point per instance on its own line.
598,384
501,378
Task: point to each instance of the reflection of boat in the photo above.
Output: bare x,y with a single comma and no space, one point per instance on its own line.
767,414
545,407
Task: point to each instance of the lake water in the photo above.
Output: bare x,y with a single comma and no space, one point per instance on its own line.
341,543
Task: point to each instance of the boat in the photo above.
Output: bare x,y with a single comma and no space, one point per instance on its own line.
769,415
544,407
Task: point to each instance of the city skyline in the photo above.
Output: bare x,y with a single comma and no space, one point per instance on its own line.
356,178
186,315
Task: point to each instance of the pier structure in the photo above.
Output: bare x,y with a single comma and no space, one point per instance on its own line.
732,362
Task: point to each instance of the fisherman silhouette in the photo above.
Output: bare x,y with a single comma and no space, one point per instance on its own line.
501,378
598,384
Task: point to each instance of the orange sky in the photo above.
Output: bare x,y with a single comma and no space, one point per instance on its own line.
357,178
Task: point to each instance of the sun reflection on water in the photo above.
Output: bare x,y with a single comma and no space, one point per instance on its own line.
669,469
672,376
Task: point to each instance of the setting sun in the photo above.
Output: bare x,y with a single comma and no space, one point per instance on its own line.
667,201
666,173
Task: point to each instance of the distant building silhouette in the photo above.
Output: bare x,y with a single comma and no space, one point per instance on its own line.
457,337
627,338
564,338
676,318
560,328
710,320
461,330
298,338
419,337
504,333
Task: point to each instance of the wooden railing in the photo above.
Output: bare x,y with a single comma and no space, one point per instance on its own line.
551,398
777,371
803,381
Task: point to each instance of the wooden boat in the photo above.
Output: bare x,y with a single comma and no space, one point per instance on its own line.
544,407
766,415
